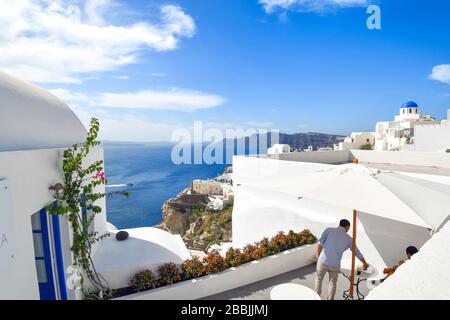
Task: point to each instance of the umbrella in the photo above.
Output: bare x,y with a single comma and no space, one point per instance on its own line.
384,194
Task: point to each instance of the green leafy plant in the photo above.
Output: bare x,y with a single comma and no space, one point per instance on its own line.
192,268
264,247
260,252
367,146
448,150
79,189
143,280
169,273
281,240
293,239
214,263
236,257
249,251
308,237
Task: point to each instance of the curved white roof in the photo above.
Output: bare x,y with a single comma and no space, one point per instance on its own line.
146,248
32,118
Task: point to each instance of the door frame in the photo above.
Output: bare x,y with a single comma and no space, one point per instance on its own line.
48,286
53,256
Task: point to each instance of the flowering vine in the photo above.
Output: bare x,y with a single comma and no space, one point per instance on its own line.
80,182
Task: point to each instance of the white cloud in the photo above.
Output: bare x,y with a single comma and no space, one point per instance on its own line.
172,99
121,77
156,74
309,5
126,127
53,41
441,73
67,95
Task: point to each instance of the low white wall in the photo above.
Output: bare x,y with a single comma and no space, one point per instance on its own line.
328,157
431,159
267,171
432,137
232,278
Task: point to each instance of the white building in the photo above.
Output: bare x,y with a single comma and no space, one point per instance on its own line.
398,134
356,141
35,255
210,187
433,137
279,149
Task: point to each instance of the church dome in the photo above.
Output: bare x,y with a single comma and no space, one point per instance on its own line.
32,118
410,104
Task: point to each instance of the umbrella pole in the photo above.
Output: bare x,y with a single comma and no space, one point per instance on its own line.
352,275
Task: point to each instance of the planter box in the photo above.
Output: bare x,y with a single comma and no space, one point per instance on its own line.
231,278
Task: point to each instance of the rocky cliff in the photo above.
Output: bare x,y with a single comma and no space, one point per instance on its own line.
199,228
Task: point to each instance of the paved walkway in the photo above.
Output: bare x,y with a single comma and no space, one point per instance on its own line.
304,276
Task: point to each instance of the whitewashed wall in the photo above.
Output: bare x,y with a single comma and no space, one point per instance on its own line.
433,159
432,137
29,174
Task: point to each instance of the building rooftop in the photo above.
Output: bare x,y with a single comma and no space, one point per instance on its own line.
410,104
32,118
146,248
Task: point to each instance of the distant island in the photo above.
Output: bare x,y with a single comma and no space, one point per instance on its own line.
300,141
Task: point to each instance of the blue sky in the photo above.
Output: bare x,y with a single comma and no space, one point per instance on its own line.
146,68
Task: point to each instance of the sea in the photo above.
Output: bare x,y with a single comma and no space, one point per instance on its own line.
148,173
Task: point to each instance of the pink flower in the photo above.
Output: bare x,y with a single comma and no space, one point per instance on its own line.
100,175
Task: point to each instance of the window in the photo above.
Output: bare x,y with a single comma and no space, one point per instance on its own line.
410,110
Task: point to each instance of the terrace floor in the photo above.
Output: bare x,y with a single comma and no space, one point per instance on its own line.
305,276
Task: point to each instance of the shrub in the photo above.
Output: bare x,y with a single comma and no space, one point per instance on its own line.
143,280
448,150
307,237
281,241
249,251
169,273
367,146
293,239
214,263
260,252
192,268
263,243
273,248
263,248
236,257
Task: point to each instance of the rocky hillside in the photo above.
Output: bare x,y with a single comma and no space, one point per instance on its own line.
303,140
199,227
